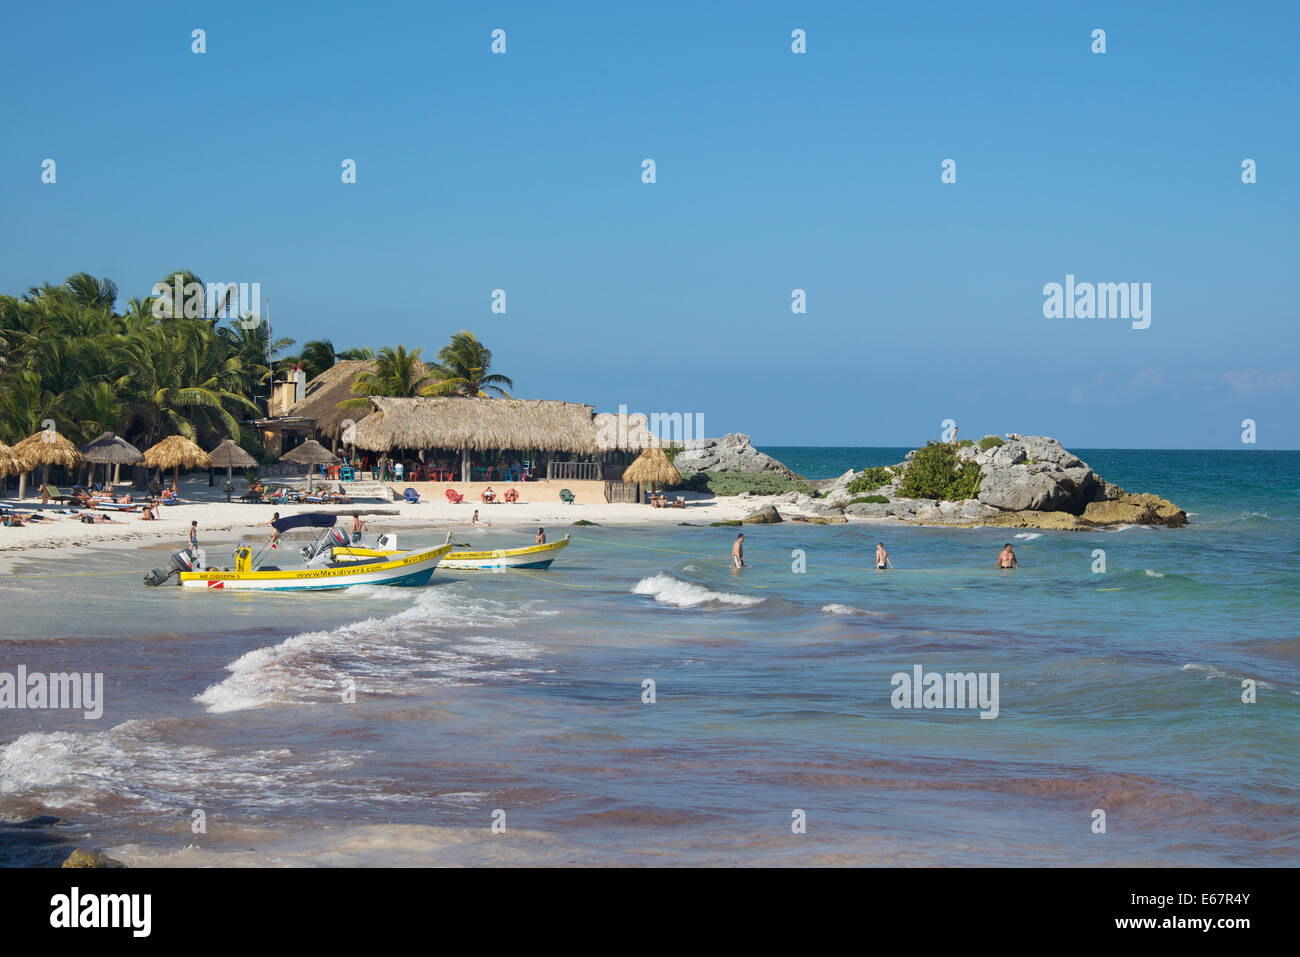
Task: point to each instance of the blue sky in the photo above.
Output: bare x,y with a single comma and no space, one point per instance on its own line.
775,171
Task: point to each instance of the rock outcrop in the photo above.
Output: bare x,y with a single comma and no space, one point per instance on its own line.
1026,482
767,515
731,453
83,858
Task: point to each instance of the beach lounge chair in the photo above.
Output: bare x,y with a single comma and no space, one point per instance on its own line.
679,502
567,496
411,495
454,497
54,493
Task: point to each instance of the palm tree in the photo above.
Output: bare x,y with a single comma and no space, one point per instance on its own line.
317,356
396,373
462,369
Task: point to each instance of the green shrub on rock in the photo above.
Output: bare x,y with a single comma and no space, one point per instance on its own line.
936,472
870,499
874,477
990,442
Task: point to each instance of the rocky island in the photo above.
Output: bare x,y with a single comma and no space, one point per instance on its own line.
1014,481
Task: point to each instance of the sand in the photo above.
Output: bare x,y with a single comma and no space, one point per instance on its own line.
222,521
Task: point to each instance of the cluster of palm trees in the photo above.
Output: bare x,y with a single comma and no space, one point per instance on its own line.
463,368
68,355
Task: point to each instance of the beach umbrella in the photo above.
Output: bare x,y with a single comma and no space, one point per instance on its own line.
45,448
11,463
176,452
653,468
111,449
230,456
312,453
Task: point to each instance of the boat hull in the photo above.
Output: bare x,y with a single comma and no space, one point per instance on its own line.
405,569
534,556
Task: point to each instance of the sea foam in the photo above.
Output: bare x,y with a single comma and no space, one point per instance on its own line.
668,590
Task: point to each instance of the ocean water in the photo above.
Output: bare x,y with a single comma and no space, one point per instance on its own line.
520,698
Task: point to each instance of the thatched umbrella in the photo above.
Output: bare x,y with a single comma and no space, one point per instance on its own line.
45,448
176,452
230,455
111,449
11,463
311,452
652,467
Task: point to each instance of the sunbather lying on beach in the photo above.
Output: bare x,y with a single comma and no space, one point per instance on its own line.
98,520
147,515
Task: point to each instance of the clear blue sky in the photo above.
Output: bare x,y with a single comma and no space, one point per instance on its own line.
775,171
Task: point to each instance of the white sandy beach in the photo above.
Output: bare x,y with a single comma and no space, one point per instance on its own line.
223,521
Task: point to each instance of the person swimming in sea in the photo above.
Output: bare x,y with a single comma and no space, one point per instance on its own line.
882,557
1007,558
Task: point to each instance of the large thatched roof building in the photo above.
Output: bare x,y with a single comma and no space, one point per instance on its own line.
456,424
478,425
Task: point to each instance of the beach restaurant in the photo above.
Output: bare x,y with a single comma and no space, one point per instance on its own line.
537,447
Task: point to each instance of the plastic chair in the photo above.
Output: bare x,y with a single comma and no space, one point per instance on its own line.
567,496
454,497
411,495
345,473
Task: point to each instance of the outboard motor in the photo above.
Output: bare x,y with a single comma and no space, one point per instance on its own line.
180,562
334,539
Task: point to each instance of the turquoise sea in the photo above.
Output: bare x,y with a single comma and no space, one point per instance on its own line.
521,699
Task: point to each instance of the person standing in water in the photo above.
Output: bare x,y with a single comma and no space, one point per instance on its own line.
882,557
358,527
194,537
738,552
541,537
1007,558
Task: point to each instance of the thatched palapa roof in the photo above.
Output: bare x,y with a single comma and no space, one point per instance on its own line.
111,449
11,463
652,468
327,391
228,455
47,447
455,422
176,452
310,452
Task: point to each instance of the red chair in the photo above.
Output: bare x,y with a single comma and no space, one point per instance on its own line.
454,497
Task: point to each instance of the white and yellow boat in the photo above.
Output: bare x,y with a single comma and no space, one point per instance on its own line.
533,556
320,570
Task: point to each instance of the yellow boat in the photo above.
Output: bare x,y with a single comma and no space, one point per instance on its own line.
533,556
321,568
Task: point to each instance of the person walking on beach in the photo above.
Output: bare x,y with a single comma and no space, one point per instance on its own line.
882,557
541,537
738,552
358,527
1007,558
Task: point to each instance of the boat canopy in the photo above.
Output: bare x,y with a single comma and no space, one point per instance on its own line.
309,520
